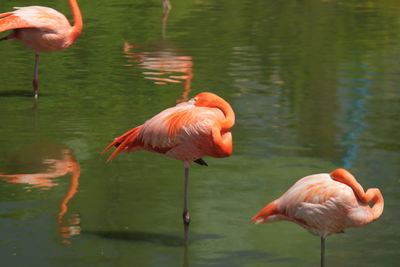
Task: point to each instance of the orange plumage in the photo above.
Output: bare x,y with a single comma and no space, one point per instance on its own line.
188,131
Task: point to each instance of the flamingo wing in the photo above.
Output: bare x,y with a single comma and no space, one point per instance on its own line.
179,132
33,17
177,124
9,22
319,204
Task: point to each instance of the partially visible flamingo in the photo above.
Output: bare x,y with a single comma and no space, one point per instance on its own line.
325,204
187,132
41,29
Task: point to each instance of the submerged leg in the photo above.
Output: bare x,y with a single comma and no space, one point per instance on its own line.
35,76
323,251
185,214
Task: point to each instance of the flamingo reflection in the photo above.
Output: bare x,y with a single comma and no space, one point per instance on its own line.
61,165
161,61
163,65
166,8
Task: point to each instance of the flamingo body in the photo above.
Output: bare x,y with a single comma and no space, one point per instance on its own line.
42,29
185,132
39,28
323,205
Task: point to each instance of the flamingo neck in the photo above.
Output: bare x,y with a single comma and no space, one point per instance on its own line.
229,116
78,23
375,195
345,177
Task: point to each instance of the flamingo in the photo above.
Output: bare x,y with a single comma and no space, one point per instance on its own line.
325,204
187,132
41,29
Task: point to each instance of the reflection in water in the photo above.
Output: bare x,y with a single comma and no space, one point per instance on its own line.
162,64
166,8
161,61
55,166
355,107
168,240
186,256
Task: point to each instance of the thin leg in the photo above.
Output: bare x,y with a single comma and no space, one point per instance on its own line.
323,251
185,214
35,76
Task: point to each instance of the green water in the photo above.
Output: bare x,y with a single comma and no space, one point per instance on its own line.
314,84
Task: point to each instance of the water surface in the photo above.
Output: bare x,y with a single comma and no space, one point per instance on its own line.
314,85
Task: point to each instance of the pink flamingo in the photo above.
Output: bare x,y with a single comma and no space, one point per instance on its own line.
325,204
187,132
41,29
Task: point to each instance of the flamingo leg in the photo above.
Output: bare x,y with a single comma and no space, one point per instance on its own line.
35,76
323,251
185,214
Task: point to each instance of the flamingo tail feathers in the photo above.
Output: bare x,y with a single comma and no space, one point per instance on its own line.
123,142
267,211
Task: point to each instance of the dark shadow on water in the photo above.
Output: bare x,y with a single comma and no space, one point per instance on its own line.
241,258
18,93
169,240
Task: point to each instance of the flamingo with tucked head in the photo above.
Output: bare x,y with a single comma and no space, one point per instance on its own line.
41,29
187,132
325,204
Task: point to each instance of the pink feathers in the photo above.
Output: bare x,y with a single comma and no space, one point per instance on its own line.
325,204
185,132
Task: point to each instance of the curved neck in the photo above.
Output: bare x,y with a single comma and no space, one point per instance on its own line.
375,195
343,176
229,115
372,194
76,14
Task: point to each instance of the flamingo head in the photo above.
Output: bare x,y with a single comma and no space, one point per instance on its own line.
341,175
207,99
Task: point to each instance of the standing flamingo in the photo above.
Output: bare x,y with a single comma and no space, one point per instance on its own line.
190,130
41,29
325,204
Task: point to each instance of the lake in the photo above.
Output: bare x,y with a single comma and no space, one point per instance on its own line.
314,85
